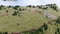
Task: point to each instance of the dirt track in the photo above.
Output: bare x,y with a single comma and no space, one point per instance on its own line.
50,15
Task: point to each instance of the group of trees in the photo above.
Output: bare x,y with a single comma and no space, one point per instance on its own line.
16,13
58,20
31,6
53,6
16,7
1,7
57,31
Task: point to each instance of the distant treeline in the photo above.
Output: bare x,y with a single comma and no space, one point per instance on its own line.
53,6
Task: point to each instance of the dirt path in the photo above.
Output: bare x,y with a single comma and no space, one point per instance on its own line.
50,15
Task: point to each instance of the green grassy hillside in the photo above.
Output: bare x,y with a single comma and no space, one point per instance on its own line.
27,18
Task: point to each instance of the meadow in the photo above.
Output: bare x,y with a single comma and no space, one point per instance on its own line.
26,19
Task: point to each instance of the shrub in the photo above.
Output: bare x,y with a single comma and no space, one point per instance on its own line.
32,31
0,7
25,32
20,9
54,6
7,11
11,32
57,29
23,9
54,20
49,22
15,13
45,26
5,33
40,29
56,32
58,20
15,8
9,6
33,6
1,33
39,6
39,11
19,15
45,8
18,24
29,6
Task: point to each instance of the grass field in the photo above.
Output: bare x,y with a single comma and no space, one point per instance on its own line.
27,21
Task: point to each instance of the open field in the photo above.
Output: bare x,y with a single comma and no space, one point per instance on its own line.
27,19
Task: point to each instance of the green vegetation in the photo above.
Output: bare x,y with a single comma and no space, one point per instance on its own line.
29,20
15,13
58,20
